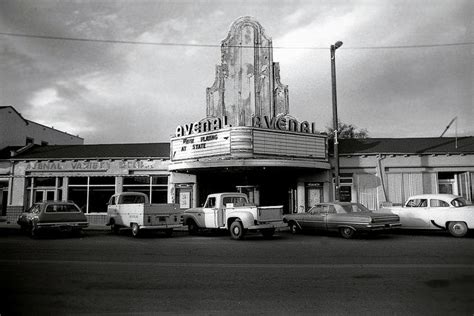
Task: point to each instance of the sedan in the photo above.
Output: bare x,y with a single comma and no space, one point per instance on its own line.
52,215
343,217
435,212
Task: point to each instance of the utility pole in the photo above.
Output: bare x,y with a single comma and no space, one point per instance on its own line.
334,117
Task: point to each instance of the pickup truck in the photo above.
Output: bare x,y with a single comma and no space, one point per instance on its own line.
232,211
436,212
133,210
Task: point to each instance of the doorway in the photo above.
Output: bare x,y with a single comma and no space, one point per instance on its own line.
252,192
3,201
313,194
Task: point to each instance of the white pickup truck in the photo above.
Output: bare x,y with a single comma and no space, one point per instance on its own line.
233,212
133,210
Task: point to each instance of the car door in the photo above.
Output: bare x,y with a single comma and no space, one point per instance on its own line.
305,219
331,217
209,212
440,212
316,217
415,214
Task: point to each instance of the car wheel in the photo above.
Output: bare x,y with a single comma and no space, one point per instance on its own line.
33,231
24,228
168,232
347,232
268,233
114,227
457,229
193,229
135,230
77,232
237,230
294,229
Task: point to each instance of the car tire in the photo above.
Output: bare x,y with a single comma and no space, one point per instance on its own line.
193,229
114,227
33,231
237,230
347,232
77,233
168,232
457,229
135,230
268,233
294,229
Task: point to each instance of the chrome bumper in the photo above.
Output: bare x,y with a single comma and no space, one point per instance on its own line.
268,225
155,227
383,226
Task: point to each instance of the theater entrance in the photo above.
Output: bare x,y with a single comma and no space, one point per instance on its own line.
263,186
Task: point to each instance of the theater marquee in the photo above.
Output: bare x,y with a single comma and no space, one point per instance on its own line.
269,138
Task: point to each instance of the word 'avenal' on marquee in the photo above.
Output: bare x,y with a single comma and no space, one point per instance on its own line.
279,123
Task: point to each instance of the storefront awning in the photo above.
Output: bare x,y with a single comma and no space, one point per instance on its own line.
249,163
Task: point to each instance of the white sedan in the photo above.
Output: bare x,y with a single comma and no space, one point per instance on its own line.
435,211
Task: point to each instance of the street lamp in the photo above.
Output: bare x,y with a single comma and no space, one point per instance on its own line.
334,117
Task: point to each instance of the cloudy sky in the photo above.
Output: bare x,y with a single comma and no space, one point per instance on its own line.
405,69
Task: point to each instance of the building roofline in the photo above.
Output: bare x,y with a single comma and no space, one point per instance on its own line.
56,130
19,114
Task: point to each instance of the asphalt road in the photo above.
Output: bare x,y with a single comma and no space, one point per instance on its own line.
101,273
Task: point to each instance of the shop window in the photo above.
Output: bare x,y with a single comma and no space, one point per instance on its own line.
78,180
91,194
102,180
45,182
79,196
145,190
159,180
136,181
155,187
43,189
159,195
98,199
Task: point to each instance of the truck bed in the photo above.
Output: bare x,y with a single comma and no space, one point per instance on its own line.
151,215
269,213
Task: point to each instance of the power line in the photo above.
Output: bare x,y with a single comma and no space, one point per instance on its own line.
216,45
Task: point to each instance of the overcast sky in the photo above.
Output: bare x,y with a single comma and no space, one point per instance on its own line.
396,74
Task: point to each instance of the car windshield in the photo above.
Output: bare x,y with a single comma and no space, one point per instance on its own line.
354,208
459,202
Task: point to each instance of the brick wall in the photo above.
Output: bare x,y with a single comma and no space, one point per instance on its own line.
13,212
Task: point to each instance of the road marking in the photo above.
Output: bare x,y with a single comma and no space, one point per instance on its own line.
255,265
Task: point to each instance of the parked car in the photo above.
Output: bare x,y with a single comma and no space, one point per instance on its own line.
52,215
343,217
435,211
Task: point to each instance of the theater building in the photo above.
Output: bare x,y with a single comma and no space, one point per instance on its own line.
246,141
